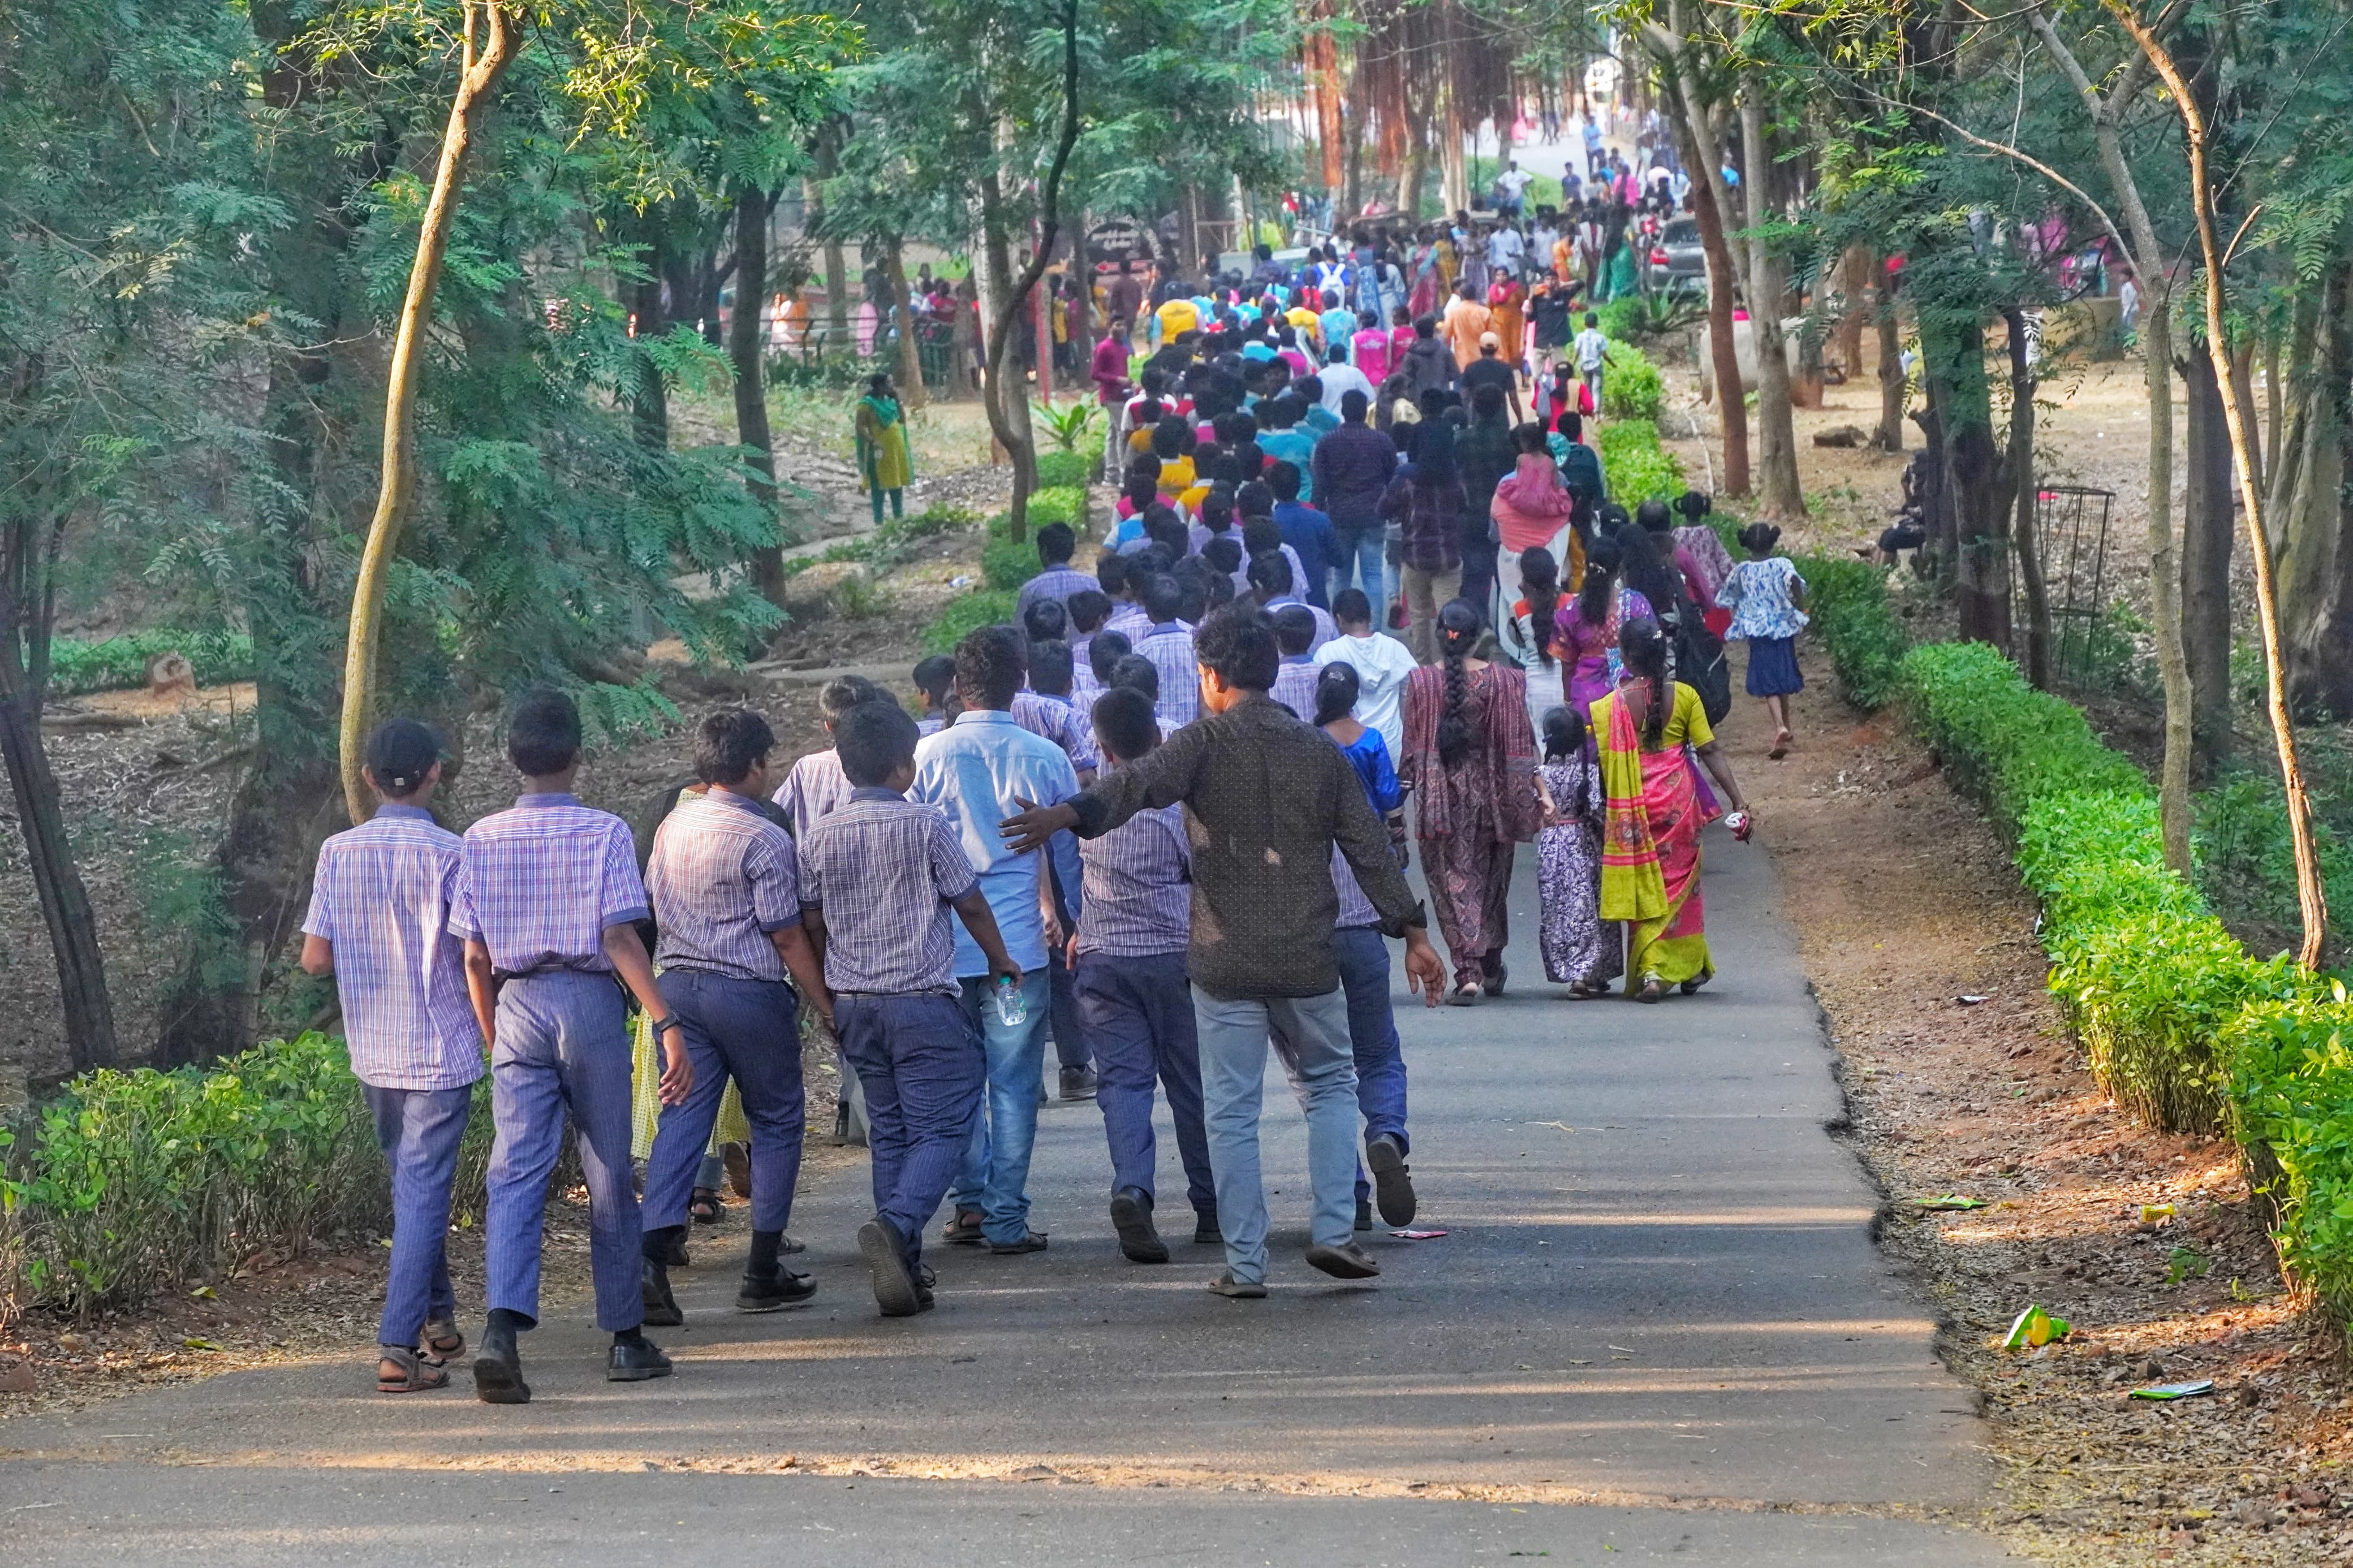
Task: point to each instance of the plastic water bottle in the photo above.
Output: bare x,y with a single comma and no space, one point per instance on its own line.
1012,1007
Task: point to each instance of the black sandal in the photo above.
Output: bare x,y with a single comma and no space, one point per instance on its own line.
705,1207
411,1373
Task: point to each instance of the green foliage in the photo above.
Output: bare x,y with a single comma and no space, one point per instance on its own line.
1068,425
1064,504
1005,564
967,613
1847,600
1634,467
119,663
1066,471
2291,1092
1620,320
1632,388
130,1183
2246,862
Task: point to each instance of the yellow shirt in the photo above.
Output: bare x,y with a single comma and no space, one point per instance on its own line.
1176,316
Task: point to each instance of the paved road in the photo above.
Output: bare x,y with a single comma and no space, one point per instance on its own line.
1656,1319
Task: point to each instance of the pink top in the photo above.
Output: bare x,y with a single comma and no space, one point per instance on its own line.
1372,347
1531,504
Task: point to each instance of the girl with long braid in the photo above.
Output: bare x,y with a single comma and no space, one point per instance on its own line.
1470,763
1652,815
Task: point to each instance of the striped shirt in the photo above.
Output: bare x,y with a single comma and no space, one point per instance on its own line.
883,871
381,896
1326,628
542,881
723,877
815,786
1294,686
1170,649
1055,583
1139,887
1356,909
1128,620
1060,720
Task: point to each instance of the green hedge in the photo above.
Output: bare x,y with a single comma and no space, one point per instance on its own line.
1847,600
119,663
1634,467
131,1184
967,613
2183,1026
1067,470
1005,564
1632,387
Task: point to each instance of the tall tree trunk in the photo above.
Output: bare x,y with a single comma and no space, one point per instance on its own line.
912,391
481,67
2207,528
1455,172
1324,71
1894,385
2243,389
1723,284
1410,165
1955,352
1776,431
752,432
826,164
1854,285
2315,524
2024,537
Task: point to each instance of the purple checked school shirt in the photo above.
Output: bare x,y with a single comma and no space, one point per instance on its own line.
721,877
1139,887
542,881
883,870
1169,647
815,786
381,896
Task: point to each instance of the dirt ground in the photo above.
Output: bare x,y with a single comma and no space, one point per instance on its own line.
1907,903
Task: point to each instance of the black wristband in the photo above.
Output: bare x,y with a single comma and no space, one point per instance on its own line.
664,1024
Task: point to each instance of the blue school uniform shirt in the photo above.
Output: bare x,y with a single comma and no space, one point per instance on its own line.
978,771
1309,533
1296,447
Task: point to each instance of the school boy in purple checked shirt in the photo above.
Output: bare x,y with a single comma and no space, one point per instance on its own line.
725,886
877,878
1129,952
548,898
379,922
815,784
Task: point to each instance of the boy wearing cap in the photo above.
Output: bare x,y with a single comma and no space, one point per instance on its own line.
379,923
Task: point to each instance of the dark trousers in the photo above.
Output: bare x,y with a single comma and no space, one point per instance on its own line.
1364,962
1139,1014
920,1062
747,1030
1070,1045
419,1131
1478,568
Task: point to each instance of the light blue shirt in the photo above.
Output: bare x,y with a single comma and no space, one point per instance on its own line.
973,770
1296,447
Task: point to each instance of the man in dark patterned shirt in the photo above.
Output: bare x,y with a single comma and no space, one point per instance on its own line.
1267,797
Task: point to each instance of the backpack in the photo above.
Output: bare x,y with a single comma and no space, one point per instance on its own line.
1700,663
1580,471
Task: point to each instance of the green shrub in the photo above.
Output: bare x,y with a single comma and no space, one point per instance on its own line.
1632,387
2291,1092
1847,600
119,663
1005,564
967,613
1059,503
1621,320
1067,470
1634,467
130,1183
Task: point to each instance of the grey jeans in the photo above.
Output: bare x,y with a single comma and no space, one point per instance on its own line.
1310,1035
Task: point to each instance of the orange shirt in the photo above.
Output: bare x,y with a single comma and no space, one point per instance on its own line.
1465,320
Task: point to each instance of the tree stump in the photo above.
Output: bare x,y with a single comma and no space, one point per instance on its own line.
171,675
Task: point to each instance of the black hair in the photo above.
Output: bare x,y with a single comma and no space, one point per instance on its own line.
729,743
873,740
1487,400
1602,559
1294,628
1458,625
1269,572
1653,516
1353,406
1225,554
1193,577
1309,390
1111,573
1237,645
1758,538
1136,673
1529,438
1284,480
989,667
399,754
1351,605
1337,687
1540,580
1088,609
1425,326
1570,424
1644,572
934,677
1163,597
1049,667
1168,437
1694,504
1260,535
1255,498
1055,543
1124,723
1105,651
842,693
1644,647
1045,621
1218,506
544,732
1564,740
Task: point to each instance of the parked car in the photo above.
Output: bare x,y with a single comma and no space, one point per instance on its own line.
1677,261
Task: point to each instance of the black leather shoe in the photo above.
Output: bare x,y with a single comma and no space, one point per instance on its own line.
1131,1216
635,1360
773,1293
896,1292
1079,1083
653,1289
1347,1261
1031,1241
1205,1232
498,1369
674,1254
1391,1184
1364,1215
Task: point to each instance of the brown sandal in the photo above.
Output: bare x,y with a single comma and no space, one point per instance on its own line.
441,1342
410,1373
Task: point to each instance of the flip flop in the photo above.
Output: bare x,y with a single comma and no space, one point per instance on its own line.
1780,745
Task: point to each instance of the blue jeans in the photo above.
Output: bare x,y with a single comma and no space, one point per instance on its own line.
922,1069
1071,1047
1364,960
1139,1014
1357,560
419,1131
1310,1034
995,1178
744,1029
562,1049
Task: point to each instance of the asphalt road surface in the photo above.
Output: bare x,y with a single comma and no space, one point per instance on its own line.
1656,1328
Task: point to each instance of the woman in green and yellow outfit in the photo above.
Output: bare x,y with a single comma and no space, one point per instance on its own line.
885,463
1646,732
